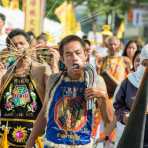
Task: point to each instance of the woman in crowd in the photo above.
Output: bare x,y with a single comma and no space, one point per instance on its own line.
125,94
129,51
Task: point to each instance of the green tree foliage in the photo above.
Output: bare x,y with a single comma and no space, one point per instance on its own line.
50,7
94,6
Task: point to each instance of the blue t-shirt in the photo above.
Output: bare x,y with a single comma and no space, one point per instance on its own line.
69,121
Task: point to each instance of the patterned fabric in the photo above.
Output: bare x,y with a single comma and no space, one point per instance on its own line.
20,105
96,121
136,77
116,68
69,121
113,71
98,128
53,145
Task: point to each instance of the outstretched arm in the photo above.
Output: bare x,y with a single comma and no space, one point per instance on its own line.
106,109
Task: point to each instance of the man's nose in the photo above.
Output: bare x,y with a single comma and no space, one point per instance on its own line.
18,46
74,56
113,46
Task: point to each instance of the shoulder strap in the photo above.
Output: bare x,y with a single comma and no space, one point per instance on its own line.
53,80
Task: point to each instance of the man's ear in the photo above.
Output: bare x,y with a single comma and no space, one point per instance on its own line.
61,64
61,59
86,55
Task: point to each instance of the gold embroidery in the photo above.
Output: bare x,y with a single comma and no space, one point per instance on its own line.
64,135
19,134
15,120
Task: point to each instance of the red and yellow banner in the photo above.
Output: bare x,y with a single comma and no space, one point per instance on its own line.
33,15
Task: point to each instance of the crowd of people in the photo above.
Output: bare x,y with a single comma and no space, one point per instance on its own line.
69,95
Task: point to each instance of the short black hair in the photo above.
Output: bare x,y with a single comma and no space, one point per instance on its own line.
14,33
69,39
31,34
42,36
85,37
2,17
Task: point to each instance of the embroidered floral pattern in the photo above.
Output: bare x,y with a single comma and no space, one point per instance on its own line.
20,95
20,105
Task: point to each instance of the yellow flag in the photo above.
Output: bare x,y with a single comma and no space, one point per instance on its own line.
39,142
5,3
60,11
66,15
14,4
121,30
33,16
50,38
106,30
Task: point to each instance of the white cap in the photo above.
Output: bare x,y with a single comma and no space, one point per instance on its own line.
144,53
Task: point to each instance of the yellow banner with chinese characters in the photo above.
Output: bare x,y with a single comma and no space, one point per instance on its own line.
121,30
66,14
33,16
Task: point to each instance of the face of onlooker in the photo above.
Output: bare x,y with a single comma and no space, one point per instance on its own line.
113,45
41,43
131,49
136,62
88,51
19,42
